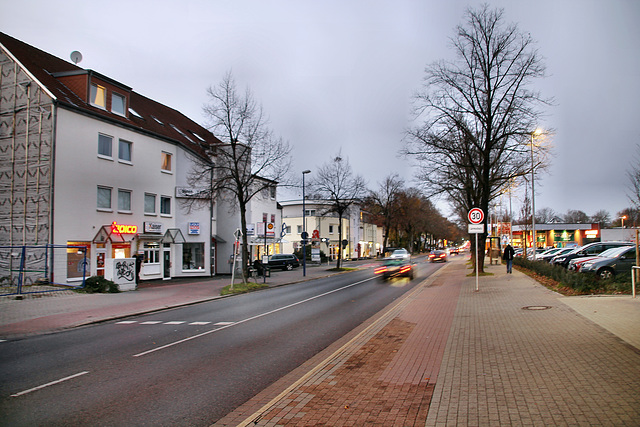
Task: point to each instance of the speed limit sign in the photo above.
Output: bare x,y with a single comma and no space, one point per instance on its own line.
476,216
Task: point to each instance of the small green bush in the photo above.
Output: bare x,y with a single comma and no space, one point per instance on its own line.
242,288
99,285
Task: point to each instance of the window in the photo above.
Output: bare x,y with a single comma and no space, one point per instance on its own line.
299,229
331,229
150,204
98,96
78,260
104,145
117,103
193,256
124,201
151,253
166,162
104,198
288,230
273,192
124,151
165,205
310,212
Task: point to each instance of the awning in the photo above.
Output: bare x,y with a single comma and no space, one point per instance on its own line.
173,235
219,239
106,234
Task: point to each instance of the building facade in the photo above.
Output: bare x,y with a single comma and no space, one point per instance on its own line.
87,162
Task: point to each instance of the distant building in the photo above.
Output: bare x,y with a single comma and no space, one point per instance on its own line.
557,234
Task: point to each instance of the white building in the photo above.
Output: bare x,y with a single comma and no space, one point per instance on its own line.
361,239
86,161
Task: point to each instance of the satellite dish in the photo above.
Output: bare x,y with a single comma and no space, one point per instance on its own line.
76,56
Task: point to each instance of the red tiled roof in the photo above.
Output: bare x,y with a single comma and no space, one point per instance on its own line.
43,66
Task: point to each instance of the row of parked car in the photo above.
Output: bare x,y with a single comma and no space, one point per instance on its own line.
604,259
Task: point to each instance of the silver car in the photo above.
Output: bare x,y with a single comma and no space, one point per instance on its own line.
611,262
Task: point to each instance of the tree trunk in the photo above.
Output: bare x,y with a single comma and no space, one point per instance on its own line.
339,241
245,242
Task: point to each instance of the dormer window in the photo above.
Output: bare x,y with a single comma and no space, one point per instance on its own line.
117,103
99,96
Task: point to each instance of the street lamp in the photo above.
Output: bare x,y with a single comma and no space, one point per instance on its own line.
623,217
534,243
304,228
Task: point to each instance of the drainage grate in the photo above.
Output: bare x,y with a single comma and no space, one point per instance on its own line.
537,307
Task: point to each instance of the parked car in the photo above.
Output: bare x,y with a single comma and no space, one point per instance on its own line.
438,256
284,261
395,267
539,251
611,262
548,255
591,249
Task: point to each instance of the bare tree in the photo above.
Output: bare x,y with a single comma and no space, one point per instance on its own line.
574,216
602,217
251,159
546,216
384,203
634,180
476,115
336,183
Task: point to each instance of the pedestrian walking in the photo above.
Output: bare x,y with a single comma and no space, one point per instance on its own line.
507,255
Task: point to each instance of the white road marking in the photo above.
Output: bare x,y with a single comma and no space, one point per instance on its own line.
144,353
126,322
151,322
198,323
49,384
223,323
175,322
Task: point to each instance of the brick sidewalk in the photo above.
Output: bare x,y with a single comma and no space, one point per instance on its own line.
510,354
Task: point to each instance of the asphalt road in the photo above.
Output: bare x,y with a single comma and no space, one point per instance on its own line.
186,366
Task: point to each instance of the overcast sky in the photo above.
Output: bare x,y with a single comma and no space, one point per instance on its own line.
339,75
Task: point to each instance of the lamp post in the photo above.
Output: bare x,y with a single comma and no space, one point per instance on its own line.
304,228
623,218
534,243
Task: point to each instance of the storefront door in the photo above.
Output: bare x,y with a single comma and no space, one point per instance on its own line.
101,255
166,263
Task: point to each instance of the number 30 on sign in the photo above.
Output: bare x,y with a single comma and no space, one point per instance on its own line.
476,216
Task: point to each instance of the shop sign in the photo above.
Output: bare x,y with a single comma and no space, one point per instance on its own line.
123,229
563,236
194,228
153,227
591,234
270,229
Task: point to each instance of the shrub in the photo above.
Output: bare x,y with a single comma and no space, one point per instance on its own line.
98,284
578,282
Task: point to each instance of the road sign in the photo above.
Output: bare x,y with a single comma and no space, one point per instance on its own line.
476,216
476,228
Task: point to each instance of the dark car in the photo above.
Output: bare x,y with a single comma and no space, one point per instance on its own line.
592,249
284,261
395,267
438,256
611,262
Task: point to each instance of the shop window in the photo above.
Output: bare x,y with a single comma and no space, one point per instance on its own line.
98,96
150,204
151,253
166,162
124,151
124,201
117,103
104,198
104,146
193,256
77,264
165,205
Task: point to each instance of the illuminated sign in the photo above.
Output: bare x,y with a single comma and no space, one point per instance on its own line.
591,234
123,229
153,227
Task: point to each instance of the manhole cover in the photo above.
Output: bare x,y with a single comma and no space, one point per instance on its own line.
536,307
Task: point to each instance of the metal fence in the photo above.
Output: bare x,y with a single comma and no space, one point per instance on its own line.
35,269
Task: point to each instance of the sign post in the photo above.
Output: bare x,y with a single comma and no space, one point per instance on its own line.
476,216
